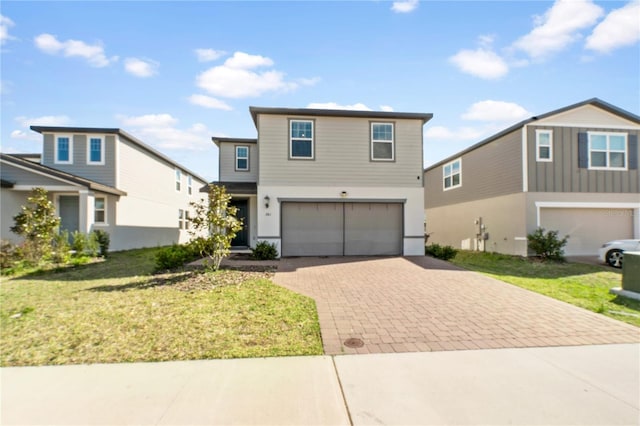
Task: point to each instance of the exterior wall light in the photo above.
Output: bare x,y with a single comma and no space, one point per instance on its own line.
266,201
343,194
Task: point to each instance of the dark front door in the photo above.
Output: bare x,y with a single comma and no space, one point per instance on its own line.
69,208
242,237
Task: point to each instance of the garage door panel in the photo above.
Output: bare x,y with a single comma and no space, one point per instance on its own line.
312,229
588,228
373,229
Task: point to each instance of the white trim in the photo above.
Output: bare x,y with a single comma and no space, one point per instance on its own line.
520,238
608,150
106,221
583,125
189,184
50,188
116,149
525,164
580,205
311,139
459,159
238,169
102,150
538,133
392,141
177,179
55,148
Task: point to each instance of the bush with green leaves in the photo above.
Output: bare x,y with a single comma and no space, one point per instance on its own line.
547,244
174,256
103,239
264,250
61,248
8,254
441,252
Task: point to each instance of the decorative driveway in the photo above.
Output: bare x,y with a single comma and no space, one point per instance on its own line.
409,304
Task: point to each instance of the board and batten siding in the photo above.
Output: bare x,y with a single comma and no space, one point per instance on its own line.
104,174
563,173
491,170
228,172
341,153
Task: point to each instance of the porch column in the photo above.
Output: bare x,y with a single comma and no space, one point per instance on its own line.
85,212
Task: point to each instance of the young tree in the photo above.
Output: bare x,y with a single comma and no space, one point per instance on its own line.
216,219
38,224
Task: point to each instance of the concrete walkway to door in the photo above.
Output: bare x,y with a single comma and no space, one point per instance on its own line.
422,304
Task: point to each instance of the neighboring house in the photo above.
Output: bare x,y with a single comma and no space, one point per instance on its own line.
103,179
328,182
574,170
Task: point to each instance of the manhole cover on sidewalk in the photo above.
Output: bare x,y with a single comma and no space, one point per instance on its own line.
353,343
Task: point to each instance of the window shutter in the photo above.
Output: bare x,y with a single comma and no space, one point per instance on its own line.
633,152
583,151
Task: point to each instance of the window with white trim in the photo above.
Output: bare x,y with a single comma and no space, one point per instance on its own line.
178,180
452,174
180,219
63,149
95,150
382,138
242,158
607,151
189,184
187,219
544,145
301,139
100,210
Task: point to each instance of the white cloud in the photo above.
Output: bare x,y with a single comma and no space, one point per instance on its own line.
142,68
148,120
332,105
495,111
5,24
559,27
208,55
482,62
459,134
94,54
237,79
25,136
209,102
160,130
45,120
620,28
386,108
404,6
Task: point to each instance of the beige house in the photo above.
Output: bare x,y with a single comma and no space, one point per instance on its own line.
329,182
574,170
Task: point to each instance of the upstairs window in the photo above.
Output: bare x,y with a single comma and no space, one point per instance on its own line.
242,158
452,174
63,150
100,210
607,151
95,150
189,185
382,142
544,145
301,139
178,180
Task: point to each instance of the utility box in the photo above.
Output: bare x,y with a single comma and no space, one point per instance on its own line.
631,271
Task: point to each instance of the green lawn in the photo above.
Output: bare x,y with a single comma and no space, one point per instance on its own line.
586,286
117,311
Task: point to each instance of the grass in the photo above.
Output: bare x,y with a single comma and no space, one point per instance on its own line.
586,286
117,311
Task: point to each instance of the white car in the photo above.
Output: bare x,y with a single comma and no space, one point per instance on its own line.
612,252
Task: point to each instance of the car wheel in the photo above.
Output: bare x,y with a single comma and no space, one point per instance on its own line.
614,258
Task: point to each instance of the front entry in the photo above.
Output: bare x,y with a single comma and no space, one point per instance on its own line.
69,210
242,237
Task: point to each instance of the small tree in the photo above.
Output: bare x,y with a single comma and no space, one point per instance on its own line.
547,245
217,219
37,223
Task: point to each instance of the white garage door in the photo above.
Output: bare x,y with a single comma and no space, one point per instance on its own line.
337,229
588,228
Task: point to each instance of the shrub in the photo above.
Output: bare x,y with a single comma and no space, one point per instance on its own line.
173,257
264,251
441,252
61,248
79,242
37,223
8,254
103,241
547,245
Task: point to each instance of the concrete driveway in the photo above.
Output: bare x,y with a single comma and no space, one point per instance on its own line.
415,304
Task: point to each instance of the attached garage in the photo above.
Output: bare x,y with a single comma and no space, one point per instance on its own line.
588,228
341,229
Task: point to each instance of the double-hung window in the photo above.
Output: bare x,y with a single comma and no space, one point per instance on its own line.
63,149
178,180
382,142
180,219
607,151
242,158
301,139
452,174
100,210
95,150
189,185
544,145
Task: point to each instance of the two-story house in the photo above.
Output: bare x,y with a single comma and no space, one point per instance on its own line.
329,182
103,179
574,170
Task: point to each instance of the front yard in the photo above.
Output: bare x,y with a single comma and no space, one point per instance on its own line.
586,286
117,311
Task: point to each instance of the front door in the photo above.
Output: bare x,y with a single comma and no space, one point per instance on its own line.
69,209
242,237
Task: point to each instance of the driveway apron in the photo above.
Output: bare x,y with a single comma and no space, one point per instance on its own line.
409,304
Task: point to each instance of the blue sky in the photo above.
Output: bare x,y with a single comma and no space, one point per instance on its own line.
175,74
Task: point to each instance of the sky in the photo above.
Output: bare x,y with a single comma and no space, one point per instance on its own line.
174,74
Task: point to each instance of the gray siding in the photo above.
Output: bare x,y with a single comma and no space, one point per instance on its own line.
492,170
563,174
341,154
228,172
24,177
104,174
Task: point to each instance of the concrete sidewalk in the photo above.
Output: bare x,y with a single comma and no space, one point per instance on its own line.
593,385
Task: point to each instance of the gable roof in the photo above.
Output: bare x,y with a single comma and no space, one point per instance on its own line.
255,111
219,140
56,174
593,101
119,132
